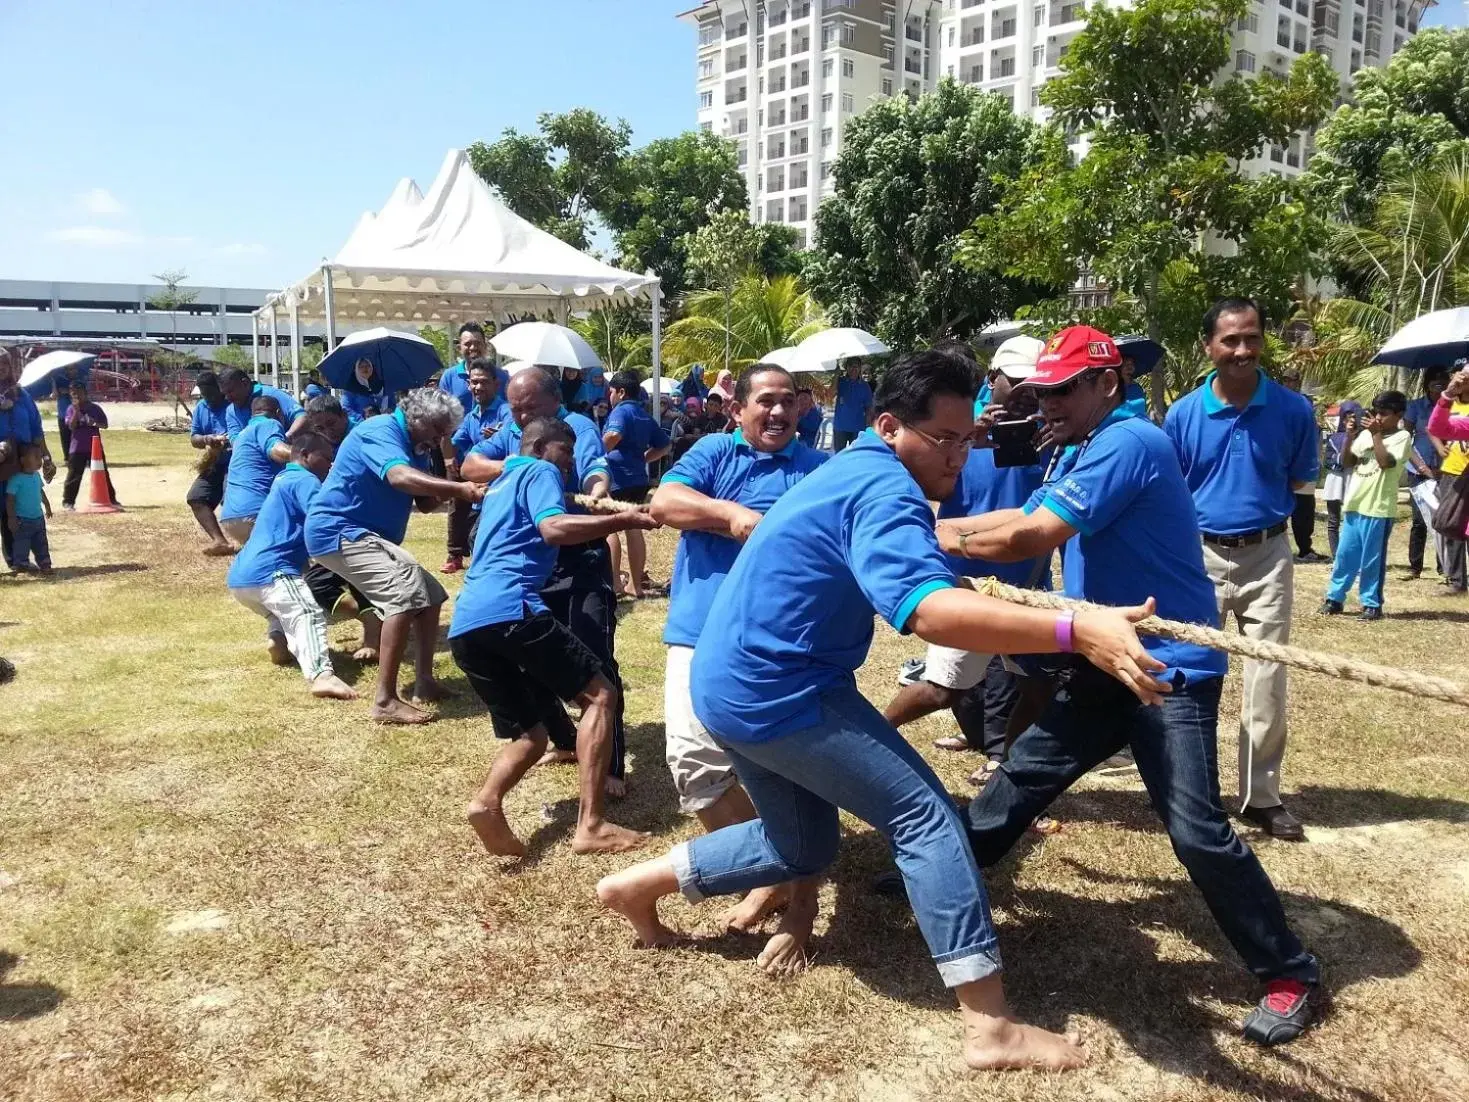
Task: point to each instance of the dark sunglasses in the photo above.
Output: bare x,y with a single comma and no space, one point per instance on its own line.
1066,389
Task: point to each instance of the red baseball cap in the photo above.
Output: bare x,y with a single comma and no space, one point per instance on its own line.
1071,352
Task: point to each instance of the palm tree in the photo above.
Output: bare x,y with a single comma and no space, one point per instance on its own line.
763,315
618,335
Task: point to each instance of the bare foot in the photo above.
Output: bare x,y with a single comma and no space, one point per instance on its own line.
954,743
785,953
279,653
606,838
558,757
615,787
398,711
750,913
622,892
333,687
428,692
1010,1044
366,655
493,831
217,550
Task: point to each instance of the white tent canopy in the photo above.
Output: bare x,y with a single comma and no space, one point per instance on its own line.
455,254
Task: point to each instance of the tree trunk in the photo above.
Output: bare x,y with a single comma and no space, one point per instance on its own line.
727,297
1159,382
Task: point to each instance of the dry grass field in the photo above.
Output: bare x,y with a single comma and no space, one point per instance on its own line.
214,887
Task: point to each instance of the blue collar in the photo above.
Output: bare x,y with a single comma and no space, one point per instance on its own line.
402,423
296,467
513,461
787,451
261,417
1212,403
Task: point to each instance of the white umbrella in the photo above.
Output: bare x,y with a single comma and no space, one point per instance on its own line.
1429,340
515,367
42,367
824,350
666,386
540,342
782,357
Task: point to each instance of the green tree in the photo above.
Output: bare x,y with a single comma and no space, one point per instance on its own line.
764,314
438,336
173,296
1159,208
233,355
911,179
720,252
1402,115
671,187
560,179
620,335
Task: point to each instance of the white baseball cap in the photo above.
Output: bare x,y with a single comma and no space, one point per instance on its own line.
1017,357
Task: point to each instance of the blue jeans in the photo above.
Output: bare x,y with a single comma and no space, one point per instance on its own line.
1176,749
1362,553
30,539
853,760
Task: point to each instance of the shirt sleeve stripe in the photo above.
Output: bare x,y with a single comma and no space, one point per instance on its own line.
397,461
553,511
681,479
1067,515
914,599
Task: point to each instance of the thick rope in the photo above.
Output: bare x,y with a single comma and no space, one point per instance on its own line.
1347,669
602,504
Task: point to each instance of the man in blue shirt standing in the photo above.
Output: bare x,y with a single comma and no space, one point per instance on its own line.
487,412
1247,446
716,494
1118,502
808,417
775,687
633,439
356,525
209,432
853,411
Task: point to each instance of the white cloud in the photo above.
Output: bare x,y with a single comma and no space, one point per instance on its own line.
98,236
100,201
239,248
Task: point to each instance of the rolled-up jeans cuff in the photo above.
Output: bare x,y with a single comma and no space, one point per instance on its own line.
972,966
683,868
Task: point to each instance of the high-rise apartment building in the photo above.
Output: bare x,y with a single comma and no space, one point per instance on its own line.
782,78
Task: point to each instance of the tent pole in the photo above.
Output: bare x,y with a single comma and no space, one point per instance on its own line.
329,299
657,298
255,344
295,348
275,349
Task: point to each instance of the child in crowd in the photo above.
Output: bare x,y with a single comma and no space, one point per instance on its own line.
26,510
85,419
1375,460
266,576
1334,485
518,658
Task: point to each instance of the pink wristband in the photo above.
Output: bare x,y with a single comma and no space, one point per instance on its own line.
1064,623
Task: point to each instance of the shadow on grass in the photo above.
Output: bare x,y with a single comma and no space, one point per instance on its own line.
19,1001
69,573
1430,615
1074,955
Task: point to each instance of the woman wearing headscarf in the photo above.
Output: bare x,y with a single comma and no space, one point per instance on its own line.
724,386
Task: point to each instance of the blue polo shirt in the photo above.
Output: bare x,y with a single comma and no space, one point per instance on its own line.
587,452
985,488
1240,464
848,541
22,421
356,500
639,432
252,470
455,381
1135,400
511,561
315,390
854,397
1418,412
727,468
277,543
808,427
237,417
208,421
470,431
1137,536
356,405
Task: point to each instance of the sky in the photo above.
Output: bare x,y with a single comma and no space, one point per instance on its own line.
240,141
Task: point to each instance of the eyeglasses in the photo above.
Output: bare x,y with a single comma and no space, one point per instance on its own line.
1065,390
960,445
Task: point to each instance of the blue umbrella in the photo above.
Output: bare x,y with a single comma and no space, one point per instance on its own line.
1144,352
401,361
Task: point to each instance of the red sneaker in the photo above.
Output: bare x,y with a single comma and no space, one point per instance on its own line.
452,565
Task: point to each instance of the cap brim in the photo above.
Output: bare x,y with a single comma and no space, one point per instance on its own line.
1018,372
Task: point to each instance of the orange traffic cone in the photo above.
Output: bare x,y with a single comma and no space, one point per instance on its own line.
101,495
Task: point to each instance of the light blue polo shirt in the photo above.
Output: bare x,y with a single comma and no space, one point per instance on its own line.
511,560
277,543
854,397
1241,464
208,421
588,453
252,470
455,381
727,468
356,499
639,432
237,417
1135,400
985,488
1137,536
848,541
470,431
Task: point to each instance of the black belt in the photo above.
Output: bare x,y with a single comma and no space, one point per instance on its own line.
1246,539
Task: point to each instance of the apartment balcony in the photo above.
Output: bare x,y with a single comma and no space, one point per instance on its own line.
801,45
974,38
1067,13
801,114
1003,68
736,97
801,80
912,33
777,52
1005,29
777,119
732,34
801,148
912,66
777,18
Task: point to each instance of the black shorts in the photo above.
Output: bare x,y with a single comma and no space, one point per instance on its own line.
635,494
208,489
523,670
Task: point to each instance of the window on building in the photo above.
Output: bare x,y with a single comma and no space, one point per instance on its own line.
976,73
1007,69
828,34
847,103
825,169
1282,31
706,68
827,67
1035,97
708,34
706,99
1249,23
887,86
826,102
887,52
798,210
951,36
849,34
1244,62
1037,56
848,66
1038,16
707,127
826,137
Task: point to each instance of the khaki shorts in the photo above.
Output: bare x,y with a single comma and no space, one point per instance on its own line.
702,772
238,529
386,574
954,669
